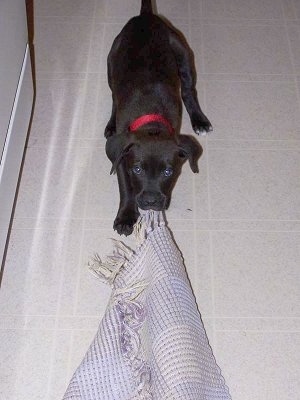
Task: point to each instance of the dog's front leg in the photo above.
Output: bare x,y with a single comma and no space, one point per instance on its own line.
128,213
111,125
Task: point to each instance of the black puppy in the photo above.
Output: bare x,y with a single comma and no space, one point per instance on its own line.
149,66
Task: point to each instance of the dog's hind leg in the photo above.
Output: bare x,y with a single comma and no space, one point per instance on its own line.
186,68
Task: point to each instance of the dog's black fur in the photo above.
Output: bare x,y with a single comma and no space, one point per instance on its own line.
149,66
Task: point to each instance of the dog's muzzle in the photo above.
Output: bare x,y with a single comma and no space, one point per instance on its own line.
151,201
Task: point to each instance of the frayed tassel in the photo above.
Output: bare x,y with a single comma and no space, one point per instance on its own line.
139,230
146,223
131,292
153,219
108,270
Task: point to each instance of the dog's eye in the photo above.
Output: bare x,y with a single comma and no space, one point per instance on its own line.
136,170
168,172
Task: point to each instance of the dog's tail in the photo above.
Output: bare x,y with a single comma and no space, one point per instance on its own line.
146,7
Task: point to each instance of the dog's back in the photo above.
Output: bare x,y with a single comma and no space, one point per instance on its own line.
144,66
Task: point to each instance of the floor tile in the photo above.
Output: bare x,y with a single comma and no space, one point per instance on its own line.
196,44
182,201
197,262
61,45
53,192
257,324
254,110
224,9
30,361
81,343
111,30
252,276
40,257
294,35
289,8
60,374
296,7
259,365
65,110
245,49
102,199
97,57
201,276
173,9
201,199
169,8
66,8
254,184
72,323
104,110
115,8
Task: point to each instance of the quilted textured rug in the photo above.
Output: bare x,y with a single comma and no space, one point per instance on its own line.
151,342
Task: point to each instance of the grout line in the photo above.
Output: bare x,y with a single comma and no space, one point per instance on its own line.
195,210
259,331
72,330
189,22
295,10
202,64
75,306
213,294
255,149
208,182
234,22
202,67
96,317
55,331
291,54
202,229
213,339
213,143
256,140
103,75
69,361
194,281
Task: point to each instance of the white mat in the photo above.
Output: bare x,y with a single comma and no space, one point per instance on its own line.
151,343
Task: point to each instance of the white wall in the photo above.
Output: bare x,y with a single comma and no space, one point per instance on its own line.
16,98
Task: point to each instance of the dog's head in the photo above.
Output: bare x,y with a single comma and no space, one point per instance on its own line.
153,163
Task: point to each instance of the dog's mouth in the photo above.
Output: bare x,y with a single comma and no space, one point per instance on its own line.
151,207
151,201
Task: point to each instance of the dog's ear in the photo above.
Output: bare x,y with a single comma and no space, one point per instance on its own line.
190,148
117,146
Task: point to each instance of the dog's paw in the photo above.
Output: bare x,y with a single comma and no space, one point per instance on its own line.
201,125
203,131
124,224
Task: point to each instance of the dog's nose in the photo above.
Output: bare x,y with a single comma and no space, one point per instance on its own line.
150,200
150,203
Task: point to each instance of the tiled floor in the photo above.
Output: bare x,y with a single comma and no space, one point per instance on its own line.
237,222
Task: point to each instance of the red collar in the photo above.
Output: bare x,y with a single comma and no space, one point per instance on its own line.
146,119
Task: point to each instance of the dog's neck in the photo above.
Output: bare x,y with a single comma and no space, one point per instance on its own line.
149,118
